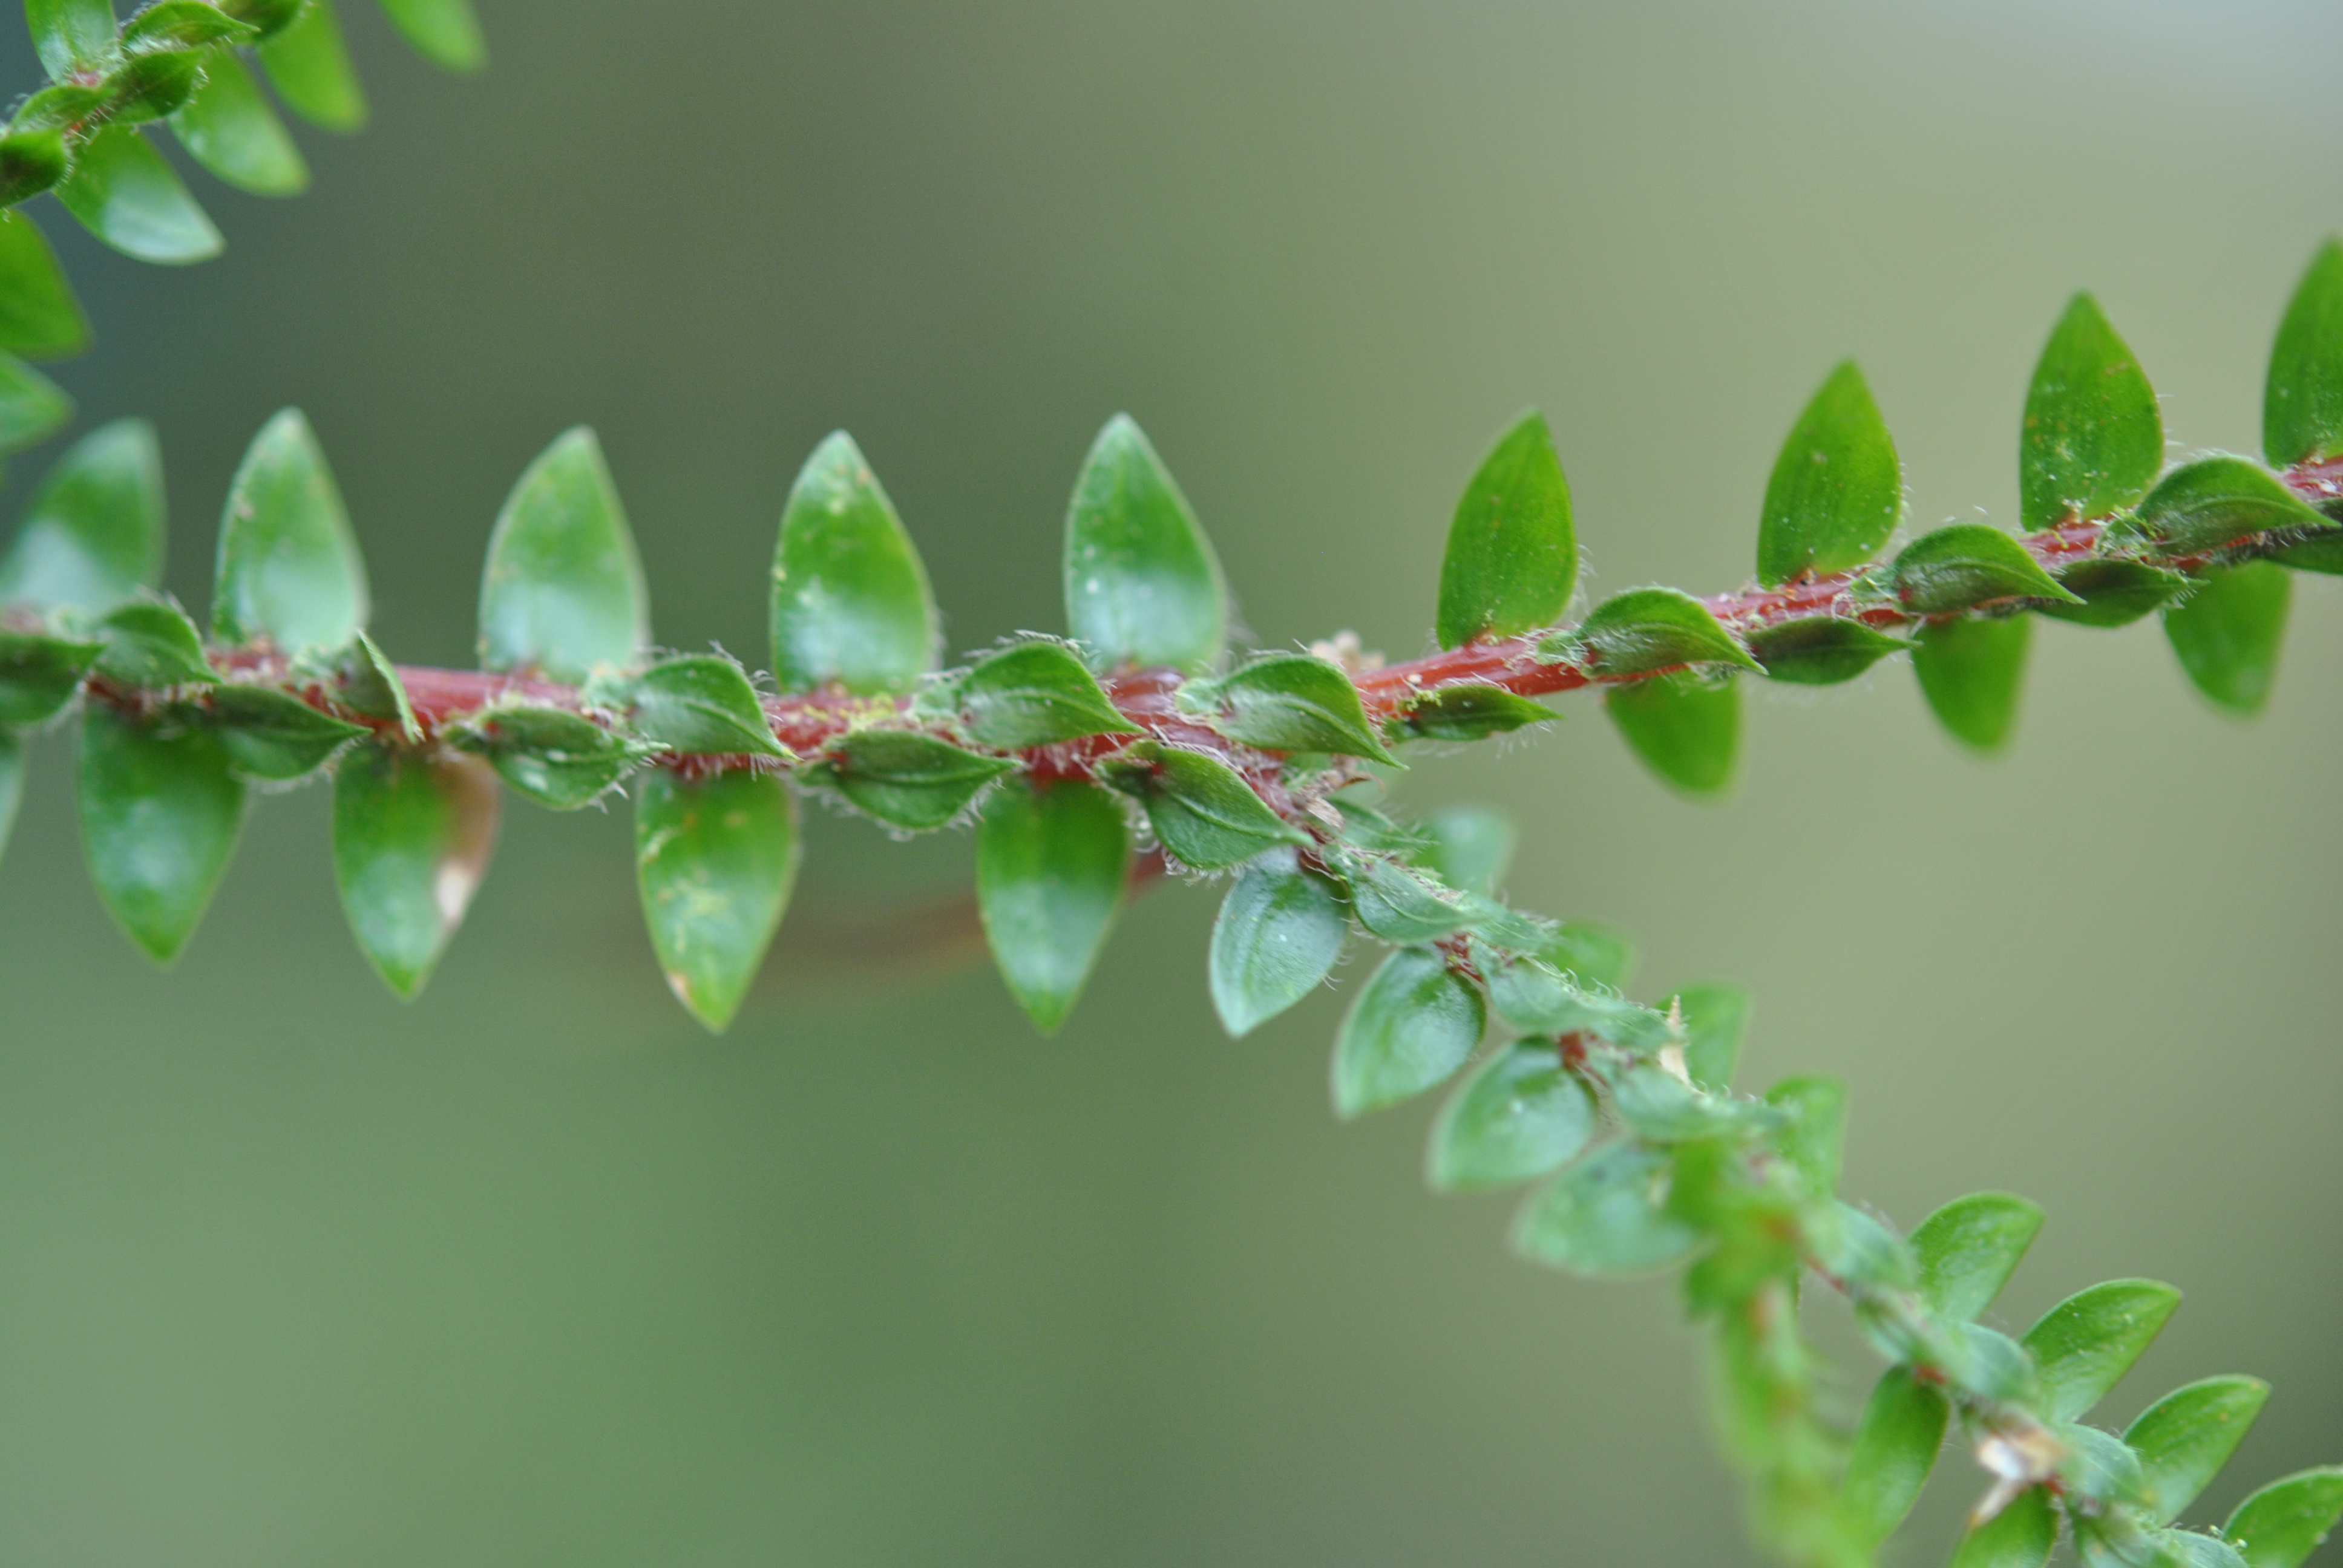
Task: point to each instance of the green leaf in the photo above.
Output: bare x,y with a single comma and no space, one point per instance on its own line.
1968,1249
1684,728
2093,437
2217,501
2302,404
228,127
11,784
151,643
1594,954
2020,1536
906,779
1511,559
270,18
94,534
2113,591
1279,932
39,316
1203,811
1517,1118
1606,1217
1992,1364
1143,585
564,590
1050,861
159,816
714,858
31,405
1821,649
2186,1549
72,37
2284,1522
2087,1342
1033,694
173,24
700,705
1645,629
1470,847
370,685
552,755
1815,1128
1658,1106
309,66
1288,702
1836,490
412,832
1401,905
850,600
2322,553
1537,994
1413,1024
31,161
445,31
1895,1447
1715,1018
2229,632
124,193
39,675
289,573
150,84
59,108
1468,713
1970,671
271,735
2183,1439
1966,564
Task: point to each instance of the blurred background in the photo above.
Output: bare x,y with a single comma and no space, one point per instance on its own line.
535,1272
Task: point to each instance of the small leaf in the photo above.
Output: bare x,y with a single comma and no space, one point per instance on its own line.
39,675
564,590
2099,1469
550,755
850,603
2183,1439
271,735
445,31
1470,847
1400,904
182,24
124,193
1143,585
31,161
1970,671
2113,591
2021,1535
309,66
1519,1117
1836,490
1715,1018
1968,1249
1536,994
1594,954
59,108
150,84
1895,1447
2229,632
1815,1128
412,833
39,316
72,37
1512,558
268,17
1413,1024
1821,649
1658,1106
2217,501
2284,1522
1606,1217
1686,728
700,705
1203,811
1050,863
2093,437
2087,1342
1468,713
1966,564
159,817
228,127
94,534
1288,702
151,643
1992,1364
714,858
2321,553
906,779
1033,694
1645,629
2302,404
1279,932
11,784
369,684
31,405
2186,1549
289,572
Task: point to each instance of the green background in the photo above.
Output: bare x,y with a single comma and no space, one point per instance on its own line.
534,1272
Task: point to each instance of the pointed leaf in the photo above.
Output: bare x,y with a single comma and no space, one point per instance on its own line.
2229,632
2322,553
1715,1018
1143,585
563,591
31,160
228,127
1537,994
39,316
1468,713
850,603
2087,1342
72,37
2099,1470
2186,1549
1970,671
1821,649
369,684
1033,694
180,25
289,573
714,858
151,643
2284,1522
1686,729
700,705
2183,1439
1645,629
2302,404
1968,1249
1895,1447
1606,1217
2113,591
1512,558
1288,702
1593,953
2093,437
39,675
309,66
11,784
1836,490
906,779
2020,1536
1413,1024
1279,932
2217,501
31,405
1811,1137
550,755
271,735
93,533
1519,1117
159,817
1400,904
412,833
1471,847
445,31
124,193
1658,1106
1966,564
1050,861
1203,811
